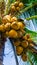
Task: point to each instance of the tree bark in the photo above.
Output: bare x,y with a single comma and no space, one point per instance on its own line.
2,45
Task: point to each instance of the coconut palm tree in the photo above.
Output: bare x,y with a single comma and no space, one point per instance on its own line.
17,16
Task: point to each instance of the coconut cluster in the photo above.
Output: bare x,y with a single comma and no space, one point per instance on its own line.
16,7
13,28
22,44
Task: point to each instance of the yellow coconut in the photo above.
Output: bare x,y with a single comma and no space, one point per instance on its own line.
12,34
24,57
19,50
24,44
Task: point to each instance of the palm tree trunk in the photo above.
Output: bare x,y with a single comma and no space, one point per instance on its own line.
2,45
1,54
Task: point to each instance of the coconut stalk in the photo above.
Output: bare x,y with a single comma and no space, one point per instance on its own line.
2,7
26,9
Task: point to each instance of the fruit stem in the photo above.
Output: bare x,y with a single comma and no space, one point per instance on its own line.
7,6
27,8
7,3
